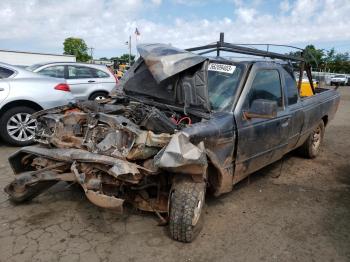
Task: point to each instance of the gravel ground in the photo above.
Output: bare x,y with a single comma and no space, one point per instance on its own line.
294,210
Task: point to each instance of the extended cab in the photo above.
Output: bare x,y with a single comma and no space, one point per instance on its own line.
182,124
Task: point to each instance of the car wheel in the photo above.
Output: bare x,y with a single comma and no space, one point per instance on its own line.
312,145
98,96
17,127
185,210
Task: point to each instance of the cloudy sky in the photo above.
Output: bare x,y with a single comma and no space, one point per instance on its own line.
42,25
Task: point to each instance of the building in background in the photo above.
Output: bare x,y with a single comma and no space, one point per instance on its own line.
29,58
102,62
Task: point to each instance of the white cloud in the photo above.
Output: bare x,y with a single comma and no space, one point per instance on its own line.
157,2
106,24
285,6
246,15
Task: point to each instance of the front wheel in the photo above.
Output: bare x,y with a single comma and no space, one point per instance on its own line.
312,145
185,210
17,127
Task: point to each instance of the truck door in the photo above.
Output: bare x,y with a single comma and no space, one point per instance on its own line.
261,141
294,106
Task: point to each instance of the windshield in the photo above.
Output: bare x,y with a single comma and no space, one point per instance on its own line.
223,81
340,76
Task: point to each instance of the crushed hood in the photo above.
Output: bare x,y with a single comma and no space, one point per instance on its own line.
164,61
169,75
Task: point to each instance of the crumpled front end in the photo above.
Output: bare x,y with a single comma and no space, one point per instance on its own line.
126,152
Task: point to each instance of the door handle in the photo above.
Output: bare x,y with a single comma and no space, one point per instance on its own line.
2,89
91,81
285,124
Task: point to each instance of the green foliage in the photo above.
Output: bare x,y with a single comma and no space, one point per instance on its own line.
123,59
326,60
77,47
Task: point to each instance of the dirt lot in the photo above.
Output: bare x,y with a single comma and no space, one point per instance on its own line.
295,210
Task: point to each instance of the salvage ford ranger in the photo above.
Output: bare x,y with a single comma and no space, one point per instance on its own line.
182,124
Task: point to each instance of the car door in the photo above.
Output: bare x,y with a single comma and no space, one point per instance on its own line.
261,141
81,80
5,73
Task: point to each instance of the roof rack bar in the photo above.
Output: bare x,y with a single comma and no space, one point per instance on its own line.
221,45
257,52
290,46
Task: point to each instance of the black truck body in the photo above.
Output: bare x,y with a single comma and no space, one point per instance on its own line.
182,123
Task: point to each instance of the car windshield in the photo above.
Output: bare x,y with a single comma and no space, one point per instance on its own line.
223,81
340,76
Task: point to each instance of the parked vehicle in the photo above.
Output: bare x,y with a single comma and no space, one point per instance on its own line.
305,88
186,123
339,80
87,81
21,94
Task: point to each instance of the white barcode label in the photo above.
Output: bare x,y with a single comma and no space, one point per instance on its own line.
221,68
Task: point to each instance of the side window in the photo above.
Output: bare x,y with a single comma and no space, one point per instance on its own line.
5,73
77,72
291,88
99,74
266,85
53,71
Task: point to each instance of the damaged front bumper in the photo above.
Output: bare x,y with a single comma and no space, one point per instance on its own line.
109,156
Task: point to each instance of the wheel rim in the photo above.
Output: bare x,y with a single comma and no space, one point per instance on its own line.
198,209
21,127
316,139
100,97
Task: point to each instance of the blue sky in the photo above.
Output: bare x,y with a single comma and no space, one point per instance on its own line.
42,25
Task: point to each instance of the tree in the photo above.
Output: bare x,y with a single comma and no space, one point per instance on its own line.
77,47
314,56
125,58
104,58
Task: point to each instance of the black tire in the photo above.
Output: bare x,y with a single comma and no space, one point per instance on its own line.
186,200
3,125
96,95
29,192
312,145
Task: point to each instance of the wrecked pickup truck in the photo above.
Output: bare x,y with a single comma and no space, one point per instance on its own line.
183,124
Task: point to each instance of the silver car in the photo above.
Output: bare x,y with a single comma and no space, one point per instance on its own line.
23,93
87,81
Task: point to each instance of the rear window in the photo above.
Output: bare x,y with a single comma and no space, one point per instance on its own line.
53,71
5,73
291,88
223,81
78,72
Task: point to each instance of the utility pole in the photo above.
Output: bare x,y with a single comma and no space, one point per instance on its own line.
91,53
129,50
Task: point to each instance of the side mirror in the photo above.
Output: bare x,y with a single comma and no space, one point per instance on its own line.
261,108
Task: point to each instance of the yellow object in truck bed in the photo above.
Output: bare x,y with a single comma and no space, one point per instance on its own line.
305,89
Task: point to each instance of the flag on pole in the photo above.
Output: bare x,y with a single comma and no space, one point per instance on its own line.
137,32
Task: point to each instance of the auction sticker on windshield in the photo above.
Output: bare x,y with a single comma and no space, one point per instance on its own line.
221,68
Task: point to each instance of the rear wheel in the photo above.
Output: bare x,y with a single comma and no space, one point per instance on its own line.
98,96
17,127
185,210
312,145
